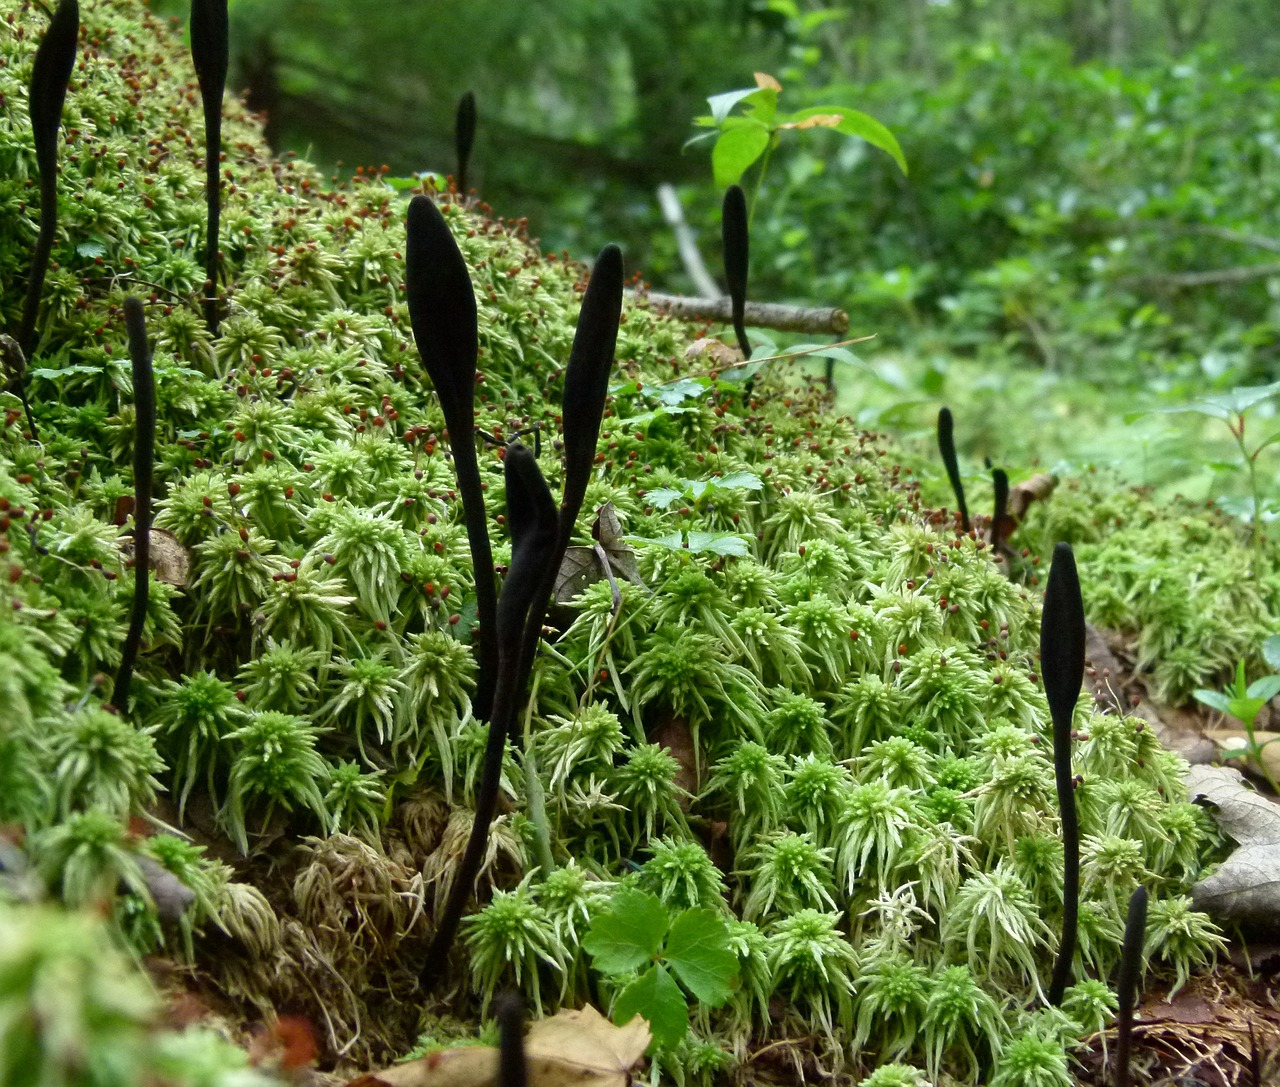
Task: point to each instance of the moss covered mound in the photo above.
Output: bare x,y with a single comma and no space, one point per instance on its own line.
816,713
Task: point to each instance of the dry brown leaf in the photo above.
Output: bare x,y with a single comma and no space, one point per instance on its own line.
462,1066
714,352
818,120
766,82
1245,887
1021,495
584,1039
581,566
170,559
580,1047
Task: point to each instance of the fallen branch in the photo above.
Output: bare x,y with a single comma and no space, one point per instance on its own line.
1212,278
772,315
1202,230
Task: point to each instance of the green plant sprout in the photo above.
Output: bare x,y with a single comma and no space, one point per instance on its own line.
1244,701
1231,408
640,945
743,138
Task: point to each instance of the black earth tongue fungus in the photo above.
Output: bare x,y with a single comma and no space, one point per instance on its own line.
55,58
735,239
1000,484
586,383
210,50
144,446
534,526
442,312
512,1068
1062,634
1135,928
464,136
947,447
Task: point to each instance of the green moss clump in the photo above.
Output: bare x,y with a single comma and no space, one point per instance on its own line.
1182,581
846,682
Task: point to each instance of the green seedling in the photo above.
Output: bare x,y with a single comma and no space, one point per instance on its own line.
742,139
1232,409
1244,701
657,958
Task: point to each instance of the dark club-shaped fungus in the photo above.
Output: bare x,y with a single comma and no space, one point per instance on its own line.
210,49
442,311
512,1068
531,517
144,448
540,535
586,383
55,58
464,136
947,447
735,238
1062,665
1000,484
1135,928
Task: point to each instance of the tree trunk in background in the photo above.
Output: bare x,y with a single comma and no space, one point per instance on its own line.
1081,29
1119,30
1185,22
919,55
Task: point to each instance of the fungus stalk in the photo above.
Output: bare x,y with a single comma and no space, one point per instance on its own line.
1062,662
144,447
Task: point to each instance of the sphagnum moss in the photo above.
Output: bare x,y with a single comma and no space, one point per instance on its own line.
861,684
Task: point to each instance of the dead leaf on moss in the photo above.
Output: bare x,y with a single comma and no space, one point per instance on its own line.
582,566
170,559
1245,888
580,1047
715,353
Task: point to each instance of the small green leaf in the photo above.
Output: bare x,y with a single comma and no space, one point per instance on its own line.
1271,651
862,125
1214,699
91,249
628,934
655,996
735,150
672,393
719,543
1245,710
698,953
1265,688
1241,399
674,541
740,481
662,497
722,104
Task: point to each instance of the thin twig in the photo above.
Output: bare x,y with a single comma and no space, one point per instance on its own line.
780,318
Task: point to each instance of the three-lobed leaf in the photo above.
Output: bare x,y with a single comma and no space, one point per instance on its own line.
628,934
656,997
698,953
